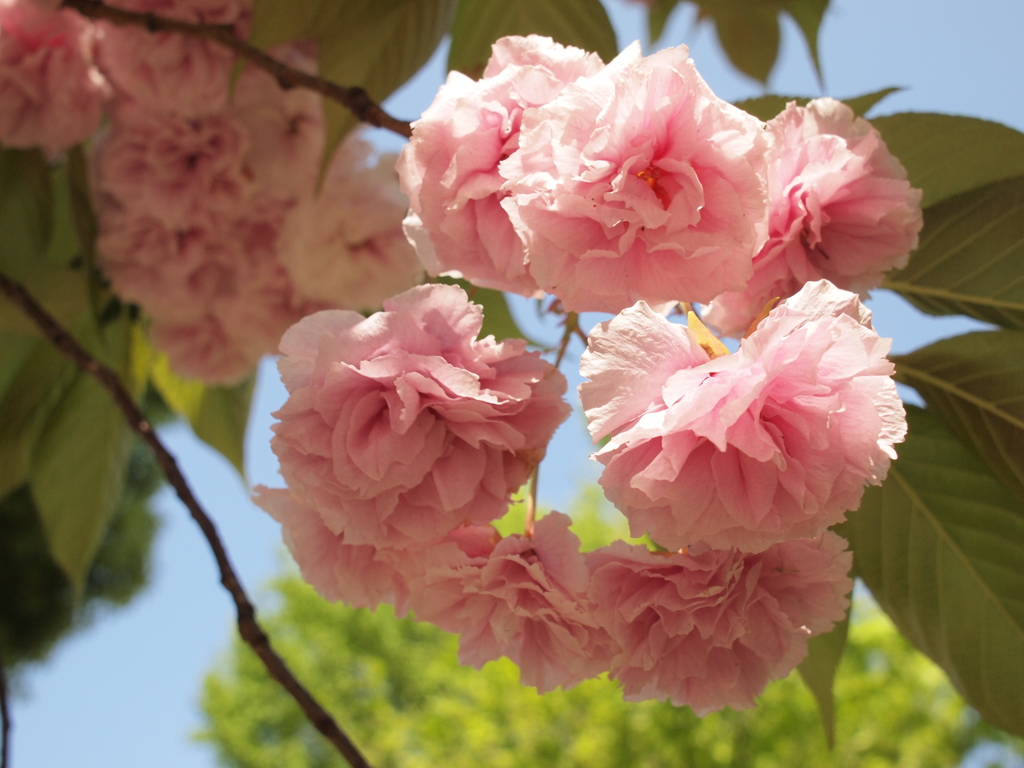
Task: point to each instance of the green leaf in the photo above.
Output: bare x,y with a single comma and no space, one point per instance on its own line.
749,34
941,546
25,209
77,474
862,104
217,415
766,107
31,393
818,671
375,44
808,15
946,155
974,383
657,17
63,292
971,257
222,418
478,23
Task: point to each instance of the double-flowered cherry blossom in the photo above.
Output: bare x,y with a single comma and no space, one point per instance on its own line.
449,168
346,246
167,72
51,93
841,209
213,226
401,426
711,628
359,574
525,598
774,442
638,183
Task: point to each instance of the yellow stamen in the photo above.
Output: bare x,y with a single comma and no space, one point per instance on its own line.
764,313
707,340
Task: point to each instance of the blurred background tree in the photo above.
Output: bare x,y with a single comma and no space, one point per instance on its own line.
38,604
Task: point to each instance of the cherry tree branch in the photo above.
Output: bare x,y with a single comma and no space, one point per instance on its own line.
5,716
248,627
356,99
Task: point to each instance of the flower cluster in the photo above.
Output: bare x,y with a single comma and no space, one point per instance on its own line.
601,185
841,210
625,188
209,212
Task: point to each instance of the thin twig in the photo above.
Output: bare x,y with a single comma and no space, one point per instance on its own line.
354,98
531,504
5,716
248,627
572,324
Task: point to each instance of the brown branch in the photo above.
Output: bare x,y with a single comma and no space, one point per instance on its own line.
356,99
248,627
5,716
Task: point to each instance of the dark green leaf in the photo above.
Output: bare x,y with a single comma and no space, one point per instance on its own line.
657,17
767,107
478,23
62,291
77,474
974,383
862,104
25,209
222,418
941,546
30,396
971,257
749,34
375,44
818,671
808,15
946,155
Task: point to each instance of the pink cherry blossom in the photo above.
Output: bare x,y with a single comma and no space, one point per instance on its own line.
346,246
524,598
217,295
167,72
449,169
285,127
744,450
51,94
359,575
403,425
711,628
175,170
841,209
638,183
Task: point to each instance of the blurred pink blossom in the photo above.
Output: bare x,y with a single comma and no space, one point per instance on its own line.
167,72
346,246
177,171
285,127
744,450
449,168
401,426
524,598
51,94
638,183
841,209
711,628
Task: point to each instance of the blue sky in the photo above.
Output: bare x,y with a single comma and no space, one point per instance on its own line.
124,693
